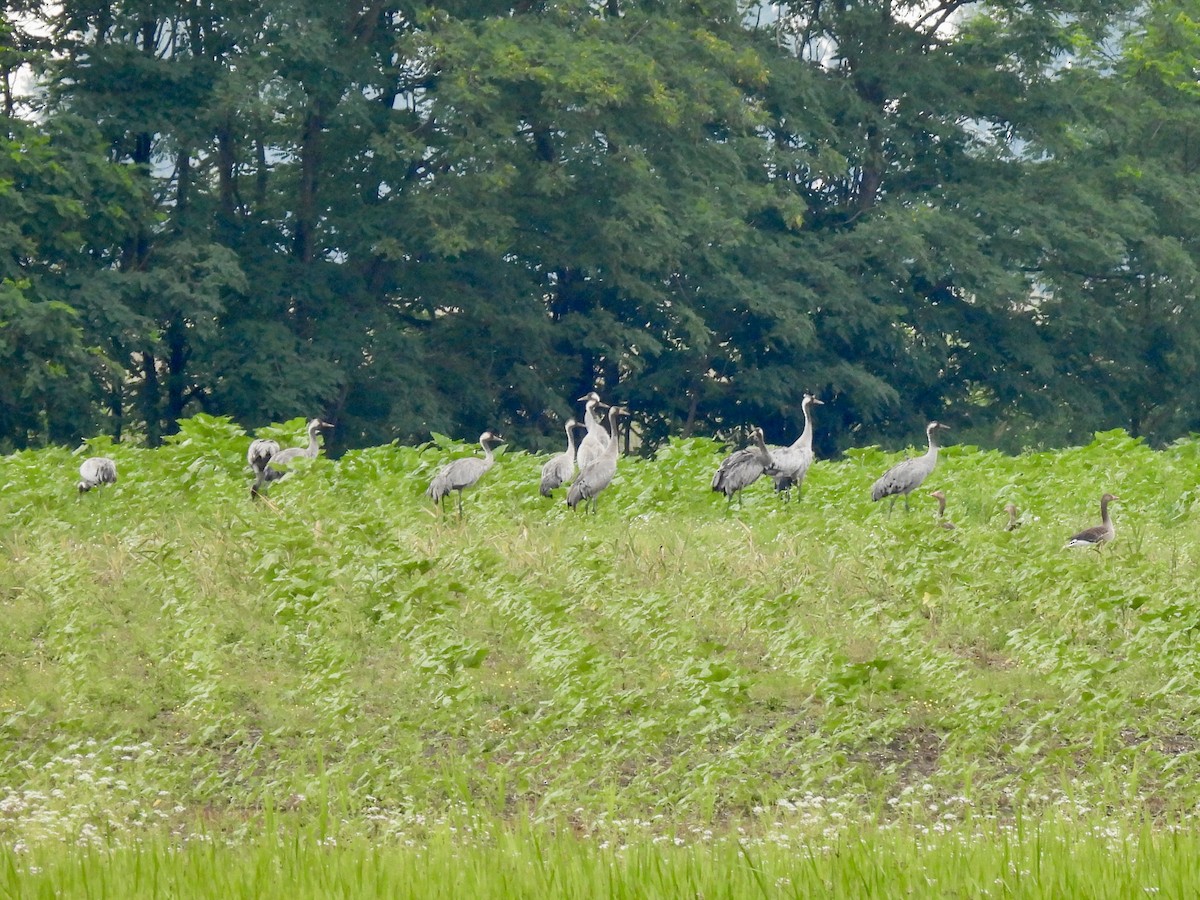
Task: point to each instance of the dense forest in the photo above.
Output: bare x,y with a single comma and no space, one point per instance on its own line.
451,215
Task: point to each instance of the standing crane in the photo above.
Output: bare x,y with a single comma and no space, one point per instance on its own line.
742,468
269,470
561,468
597,474
596,440
463,473
1097,534
792,463
942,521
96,471
905,477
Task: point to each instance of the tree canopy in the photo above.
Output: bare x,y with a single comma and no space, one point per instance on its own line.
444,215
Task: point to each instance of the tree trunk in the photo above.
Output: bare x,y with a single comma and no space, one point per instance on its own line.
150,400
306,202
177,355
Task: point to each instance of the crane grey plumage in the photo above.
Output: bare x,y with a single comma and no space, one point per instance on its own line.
271,471
597,474
1097,534
905,477
595,442
792,463
561,468
260,452
742,468
463,473
96,471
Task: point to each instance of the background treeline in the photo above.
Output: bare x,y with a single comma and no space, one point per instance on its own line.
462,214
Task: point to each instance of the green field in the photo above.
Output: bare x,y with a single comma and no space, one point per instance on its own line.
669,698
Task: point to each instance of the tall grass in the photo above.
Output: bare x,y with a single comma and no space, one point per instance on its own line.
1042,860
177,657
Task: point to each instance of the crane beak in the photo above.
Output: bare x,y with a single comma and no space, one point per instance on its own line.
324,425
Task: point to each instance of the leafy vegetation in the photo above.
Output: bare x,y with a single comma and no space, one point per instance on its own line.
178,658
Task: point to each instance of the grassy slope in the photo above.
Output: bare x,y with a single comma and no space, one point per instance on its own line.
172,649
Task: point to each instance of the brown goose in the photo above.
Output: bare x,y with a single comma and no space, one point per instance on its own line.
942,521
1097,534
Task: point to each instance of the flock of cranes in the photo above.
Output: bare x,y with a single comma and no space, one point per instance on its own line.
589,468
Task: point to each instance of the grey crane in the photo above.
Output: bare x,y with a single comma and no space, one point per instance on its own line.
595,442
1013,522
270,470
1097,534
942,521
792,462
905,477
463,473
96,471
260,452
561,468
742,468
597,474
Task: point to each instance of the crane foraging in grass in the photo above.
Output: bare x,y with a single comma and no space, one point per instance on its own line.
597,474
259,454
942,521
561,468
905,477
463,473
792,462
742,468
96,471
270,469
1013,521
1097,534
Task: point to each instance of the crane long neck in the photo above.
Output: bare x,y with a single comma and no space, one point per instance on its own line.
761,445
806,436
313,447
571,439
589,418
933,444
487,452
612,428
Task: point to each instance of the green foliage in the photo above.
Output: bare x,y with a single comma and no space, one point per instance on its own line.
343,640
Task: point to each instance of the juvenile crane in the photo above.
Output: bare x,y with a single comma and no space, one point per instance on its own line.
463,473
270,470
595,442
598,474
742,468
792,462
1097,534
96,471
1013,522
561,468
905,477
942,521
